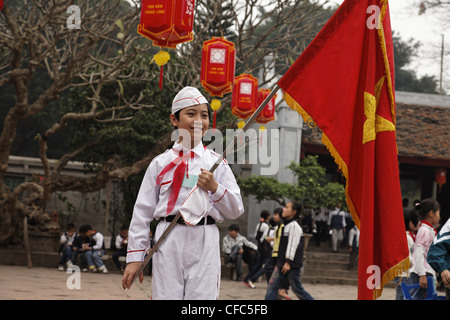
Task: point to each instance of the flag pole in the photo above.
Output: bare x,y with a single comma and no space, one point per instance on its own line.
213,168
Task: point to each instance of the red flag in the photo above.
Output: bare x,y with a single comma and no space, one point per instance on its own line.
344,82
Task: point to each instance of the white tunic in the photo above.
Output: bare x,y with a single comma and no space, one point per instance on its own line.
187,263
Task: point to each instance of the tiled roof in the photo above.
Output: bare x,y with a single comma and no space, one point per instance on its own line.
423,131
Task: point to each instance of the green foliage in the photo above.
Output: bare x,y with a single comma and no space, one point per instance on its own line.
311,187
264,188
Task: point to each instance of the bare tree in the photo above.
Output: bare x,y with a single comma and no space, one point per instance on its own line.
36,36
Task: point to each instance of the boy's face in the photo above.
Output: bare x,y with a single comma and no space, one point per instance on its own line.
89,233
276,217
194,121
288,213
233,233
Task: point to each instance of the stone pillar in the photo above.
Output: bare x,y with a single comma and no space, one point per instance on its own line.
284,142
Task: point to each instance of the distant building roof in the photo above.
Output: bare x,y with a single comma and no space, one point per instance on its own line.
422,99
423,129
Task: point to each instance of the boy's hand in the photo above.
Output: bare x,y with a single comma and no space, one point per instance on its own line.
206,181
423,282
128,274
286,267
445,276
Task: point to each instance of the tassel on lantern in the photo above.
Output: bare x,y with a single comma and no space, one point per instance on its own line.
261,131
161,58
215,105
241,124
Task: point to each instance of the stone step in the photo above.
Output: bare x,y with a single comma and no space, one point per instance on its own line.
321,265
330,272
329,280
328,256
325,264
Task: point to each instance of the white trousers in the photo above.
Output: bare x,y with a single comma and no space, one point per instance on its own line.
186,265
337,235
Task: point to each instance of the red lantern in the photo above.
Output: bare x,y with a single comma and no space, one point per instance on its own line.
217,71
268,113
218,63
441,177
166,23
245,94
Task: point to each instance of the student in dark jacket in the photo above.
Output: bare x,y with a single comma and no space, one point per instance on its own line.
290,255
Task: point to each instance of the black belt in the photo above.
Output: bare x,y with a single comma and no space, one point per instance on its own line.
209,220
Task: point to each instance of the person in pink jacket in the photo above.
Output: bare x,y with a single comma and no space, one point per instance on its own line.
429,211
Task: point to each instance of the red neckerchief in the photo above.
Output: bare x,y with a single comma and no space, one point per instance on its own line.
412,234
181,165
429,224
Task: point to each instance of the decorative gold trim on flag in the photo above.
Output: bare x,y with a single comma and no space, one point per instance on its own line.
296,107
386,60
395,271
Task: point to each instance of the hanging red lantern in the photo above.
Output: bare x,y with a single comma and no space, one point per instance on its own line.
166,23
268,113
245,94
218,63
217,69
441,177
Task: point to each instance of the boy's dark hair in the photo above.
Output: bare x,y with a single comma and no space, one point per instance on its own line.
426,206
85,228
410,215
297,207
265,214
70,226
278,211
233,227
124,227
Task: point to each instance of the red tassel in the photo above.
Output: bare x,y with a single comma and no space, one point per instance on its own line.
161,77
214,119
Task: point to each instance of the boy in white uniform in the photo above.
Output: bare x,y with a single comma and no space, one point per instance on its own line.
187,263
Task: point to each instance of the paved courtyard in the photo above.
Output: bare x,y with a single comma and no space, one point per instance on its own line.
21,283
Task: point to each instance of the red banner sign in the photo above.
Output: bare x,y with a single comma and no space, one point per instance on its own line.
218,64
268,113
245,95
167,23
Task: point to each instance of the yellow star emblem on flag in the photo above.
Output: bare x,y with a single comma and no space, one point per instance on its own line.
374,122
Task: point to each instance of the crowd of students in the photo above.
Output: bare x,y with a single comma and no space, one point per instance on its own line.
279,252
87,247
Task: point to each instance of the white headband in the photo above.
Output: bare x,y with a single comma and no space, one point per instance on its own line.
188,96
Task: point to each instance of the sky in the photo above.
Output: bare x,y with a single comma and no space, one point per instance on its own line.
427,29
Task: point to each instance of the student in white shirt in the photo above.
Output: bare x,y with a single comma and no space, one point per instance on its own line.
187,263
337,224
